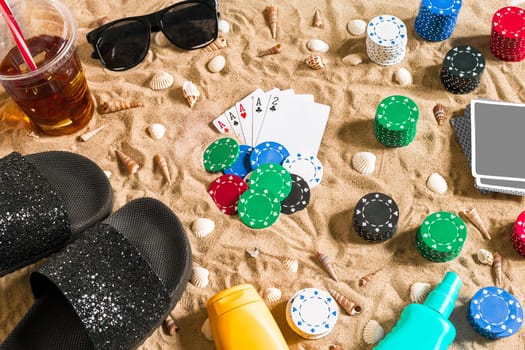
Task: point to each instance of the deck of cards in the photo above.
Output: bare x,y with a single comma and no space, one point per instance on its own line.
293,120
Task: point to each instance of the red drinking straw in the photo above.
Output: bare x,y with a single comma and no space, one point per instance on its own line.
17,34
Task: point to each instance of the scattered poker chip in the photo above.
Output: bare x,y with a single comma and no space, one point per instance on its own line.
259,208
462,69
226,191
375,217
507,40
395,121
307,166
436,19
268,152
312,313
272,177
495,313
386,40
220,154
241,167
298,198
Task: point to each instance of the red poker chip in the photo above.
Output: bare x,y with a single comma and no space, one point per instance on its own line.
509,22
226,191
519,224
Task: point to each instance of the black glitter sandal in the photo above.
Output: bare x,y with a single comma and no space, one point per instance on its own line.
110,288
45,200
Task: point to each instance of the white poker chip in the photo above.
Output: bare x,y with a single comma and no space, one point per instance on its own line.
312,313
387,31
307,166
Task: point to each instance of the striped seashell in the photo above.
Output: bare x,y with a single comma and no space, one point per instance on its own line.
156,131
200,277
272,295
272,13
206,330
315,62
419,291
472,214
348,305
118,105
364,162
497,266
163,166
363,281
317,21
218,44
485,257
131,165
191,93
202,227
437,184
325,262
439,113
373,332
161,80
91,133
271,51
291,264
161,40
169,326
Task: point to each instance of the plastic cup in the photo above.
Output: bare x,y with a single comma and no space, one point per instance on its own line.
55,97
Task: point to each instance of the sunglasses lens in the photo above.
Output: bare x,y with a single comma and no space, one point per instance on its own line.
190,25
124,44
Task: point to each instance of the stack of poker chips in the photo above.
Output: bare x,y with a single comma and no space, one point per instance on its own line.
518,234
436,20
375,217
495,313
386,40
396,121
462,69
441,236
507,40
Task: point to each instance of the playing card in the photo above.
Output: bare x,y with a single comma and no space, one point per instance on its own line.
244,113
222,124
233,119
259,106
271,108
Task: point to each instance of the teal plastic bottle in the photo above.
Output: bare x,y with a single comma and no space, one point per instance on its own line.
426,326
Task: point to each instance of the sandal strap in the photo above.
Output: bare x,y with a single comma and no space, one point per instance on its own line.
114,291
33,219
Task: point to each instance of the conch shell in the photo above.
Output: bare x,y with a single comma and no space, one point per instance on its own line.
350,306
131,165
472,214
91,133
323,259
118,105
163,166
363,281
315,62
191,93
497,265
318,21
439,113
272,12
271,51
218,44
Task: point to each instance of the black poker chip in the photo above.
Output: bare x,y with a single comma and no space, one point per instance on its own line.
375,217
298,198
462,69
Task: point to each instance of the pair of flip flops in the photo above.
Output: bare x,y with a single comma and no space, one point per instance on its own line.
114,279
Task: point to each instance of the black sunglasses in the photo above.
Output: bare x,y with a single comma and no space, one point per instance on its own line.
122,44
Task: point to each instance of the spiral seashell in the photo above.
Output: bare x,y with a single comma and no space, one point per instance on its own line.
350,306
118,105
218,44
200,277
419,291
131,165
439,113
317,21
163,166
253,252
497,266
224,27
169,326
316,45
271,51
403,77
156,131
356,27
315,62
202,227
353,59
216,64
325,262
363,281
191,93
206,330
364,162
161,80
161,40
472,214
92,133
485,257
437,184
272,13
373,332
291,264
272,295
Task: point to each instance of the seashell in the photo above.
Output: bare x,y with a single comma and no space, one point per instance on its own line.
156,131
191,93
316,45
473,216
497,265
356,27
353,59
317,21
315,62
218,44
103,20
161,40
350,307
403,77
437,184
325,262
216,64
272,295
163,166
291,264
364,162
373,332
272,12
108,173
118,105
439,113
206,330
202,227
253,252
131,165
169,326
224,27
199,277
363,281
271,51
485,257
91,133
336,347
419,291
161,80
33,134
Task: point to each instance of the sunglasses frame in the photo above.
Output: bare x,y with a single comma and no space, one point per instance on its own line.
153,22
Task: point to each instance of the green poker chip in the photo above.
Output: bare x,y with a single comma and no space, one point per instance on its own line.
273,177
259,208
220,154
397,113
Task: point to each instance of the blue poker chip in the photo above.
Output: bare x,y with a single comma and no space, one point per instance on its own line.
241,167
268,152
514,326
437,19
442,7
